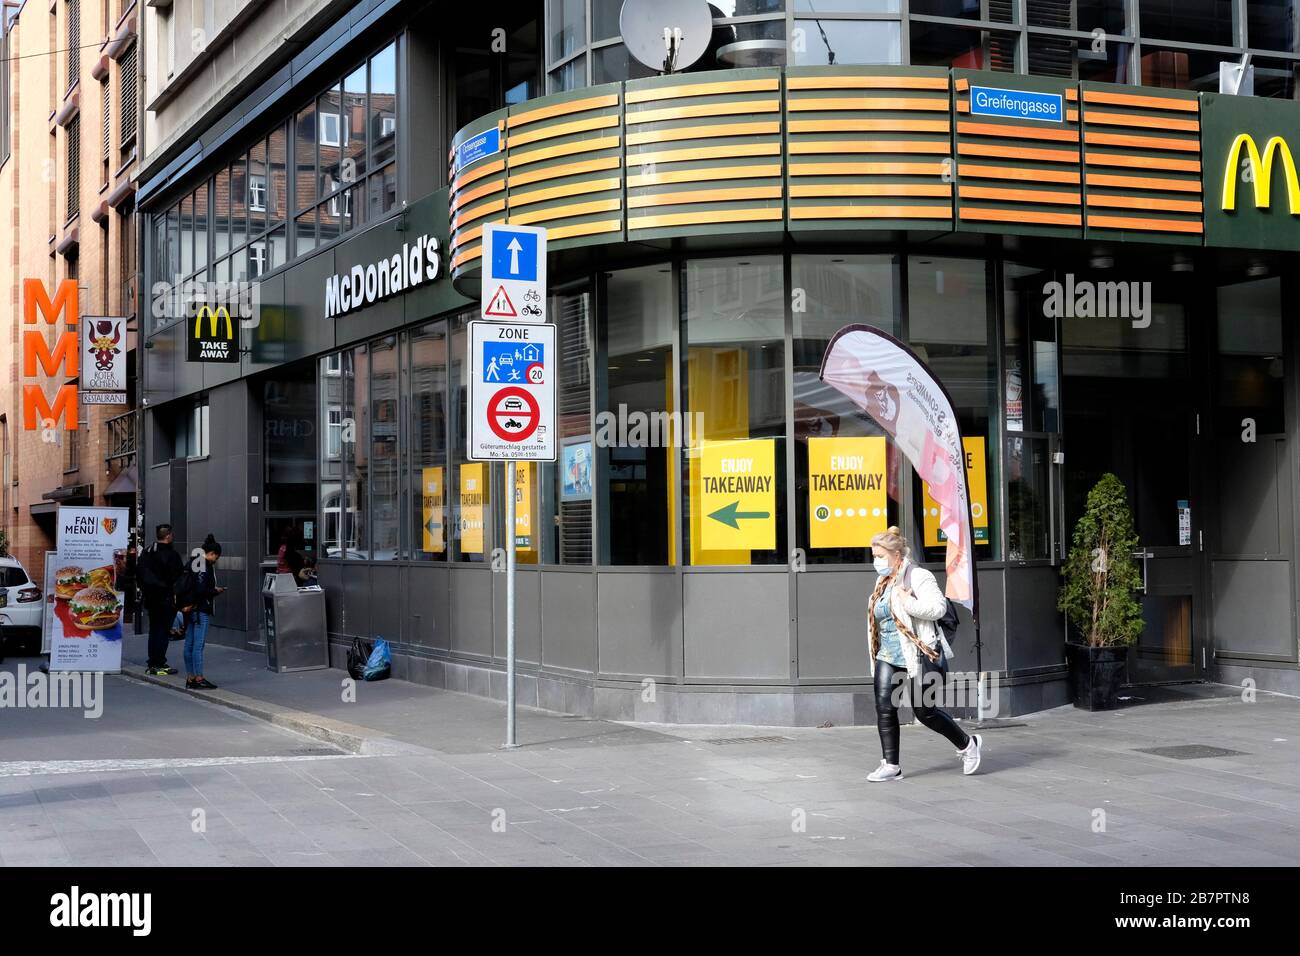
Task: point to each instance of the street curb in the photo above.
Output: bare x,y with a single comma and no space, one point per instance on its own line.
351,738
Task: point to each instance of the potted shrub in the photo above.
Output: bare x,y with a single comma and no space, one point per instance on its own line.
1098,596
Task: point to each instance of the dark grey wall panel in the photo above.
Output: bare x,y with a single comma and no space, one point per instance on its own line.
639,616
528,616
331,581
426,605
1253,496
737,625
471,611
1033,634
833,624
358,598
385,609
568,620
1252,607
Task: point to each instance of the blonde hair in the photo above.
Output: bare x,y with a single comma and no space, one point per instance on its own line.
891,539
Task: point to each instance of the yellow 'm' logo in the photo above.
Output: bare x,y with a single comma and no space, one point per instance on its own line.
1261,169
213,318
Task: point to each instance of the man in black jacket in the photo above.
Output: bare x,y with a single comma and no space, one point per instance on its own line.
157,570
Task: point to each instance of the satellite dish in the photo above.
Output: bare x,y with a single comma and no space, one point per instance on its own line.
666,35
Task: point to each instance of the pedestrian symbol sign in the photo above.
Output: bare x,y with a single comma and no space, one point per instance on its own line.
500,306
512,391
514,272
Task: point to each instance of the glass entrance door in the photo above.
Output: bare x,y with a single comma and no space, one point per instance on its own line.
1128,409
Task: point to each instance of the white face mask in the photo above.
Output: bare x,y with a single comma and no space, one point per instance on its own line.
882,566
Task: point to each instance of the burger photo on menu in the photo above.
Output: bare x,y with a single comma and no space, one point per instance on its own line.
94,608
69,580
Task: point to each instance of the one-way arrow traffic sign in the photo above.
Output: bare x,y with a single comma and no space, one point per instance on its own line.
514,272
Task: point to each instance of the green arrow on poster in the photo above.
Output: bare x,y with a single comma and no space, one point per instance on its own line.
730,516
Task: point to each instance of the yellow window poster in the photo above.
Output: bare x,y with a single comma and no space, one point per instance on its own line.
738,494
434,497
847,500
979,498
473,496
524,505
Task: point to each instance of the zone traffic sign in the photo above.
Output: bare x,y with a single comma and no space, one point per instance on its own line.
514,273
511,367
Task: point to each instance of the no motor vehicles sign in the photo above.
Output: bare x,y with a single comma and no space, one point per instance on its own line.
512,391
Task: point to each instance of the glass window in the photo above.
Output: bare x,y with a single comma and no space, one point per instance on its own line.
1250,367
201,226
611,63
381,449
999,11
1275,78
427,510
383,106
289,456
734,375
304,149
571,76
567,22
238,203
1182,69
634,433
1272,25
604,19
1077,59
950,327
823,42
257,189
1031,390
221,213
1082,15
1192,21
1028,499
353,130
845,6
468,484
827,293
940,44
276,179
187,235
565,489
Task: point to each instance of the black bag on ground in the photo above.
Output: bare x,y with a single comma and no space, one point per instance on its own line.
358,655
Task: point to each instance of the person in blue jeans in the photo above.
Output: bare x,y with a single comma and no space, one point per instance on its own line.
200,592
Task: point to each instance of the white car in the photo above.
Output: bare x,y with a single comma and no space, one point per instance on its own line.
21,607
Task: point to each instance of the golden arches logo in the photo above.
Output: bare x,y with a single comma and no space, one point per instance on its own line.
214,316
1261,168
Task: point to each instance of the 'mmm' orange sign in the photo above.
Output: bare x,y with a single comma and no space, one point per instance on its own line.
37,412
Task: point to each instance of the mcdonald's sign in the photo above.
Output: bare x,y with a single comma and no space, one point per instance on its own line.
1258,172
1249,173
213,335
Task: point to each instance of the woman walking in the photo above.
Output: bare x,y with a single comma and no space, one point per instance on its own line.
907,645
199,595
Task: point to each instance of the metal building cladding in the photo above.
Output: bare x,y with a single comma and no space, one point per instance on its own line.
1100,291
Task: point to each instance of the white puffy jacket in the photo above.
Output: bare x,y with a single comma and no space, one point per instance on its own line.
919,611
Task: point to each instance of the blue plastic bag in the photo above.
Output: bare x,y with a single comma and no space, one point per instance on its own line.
380,664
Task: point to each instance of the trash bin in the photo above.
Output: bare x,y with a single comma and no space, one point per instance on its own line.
294,619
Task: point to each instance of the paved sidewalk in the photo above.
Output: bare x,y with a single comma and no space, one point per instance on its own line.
1064,788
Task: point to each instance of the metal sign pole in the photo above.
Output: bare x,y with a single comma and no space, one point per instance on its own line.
510,604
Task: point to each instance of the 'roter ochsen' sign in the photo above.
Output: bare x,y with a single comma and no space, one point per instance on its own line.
361,286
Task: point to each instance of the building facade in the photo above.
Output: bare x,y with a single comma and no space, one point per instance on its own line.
1053,204
71,145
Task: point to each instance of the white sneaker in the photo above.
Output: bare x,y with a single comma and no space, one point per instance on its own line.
886,771
970,757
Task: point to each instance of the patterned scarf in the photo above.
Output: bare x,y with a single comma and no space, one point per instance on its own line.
873,628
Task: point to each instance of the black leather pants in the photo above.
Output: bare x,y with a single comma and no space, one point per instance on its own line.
889,677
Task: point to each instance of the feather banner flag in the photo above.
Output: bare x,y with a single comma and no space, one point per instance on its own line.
890,383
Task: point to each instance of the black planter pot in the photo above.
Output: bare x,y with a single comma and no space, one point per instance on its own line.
1096,674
